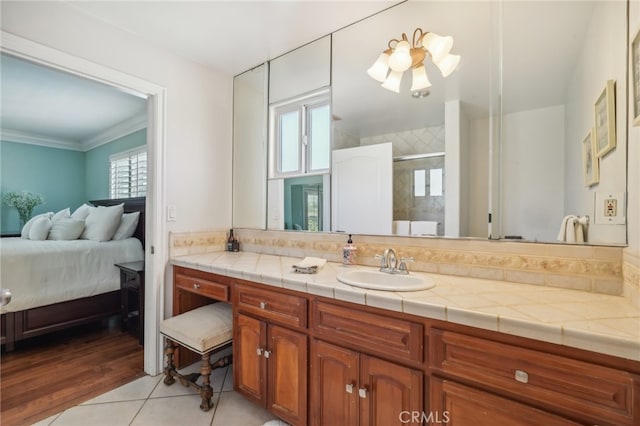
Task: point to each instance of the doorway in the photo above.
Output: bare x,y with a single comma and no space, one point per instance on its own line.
156,255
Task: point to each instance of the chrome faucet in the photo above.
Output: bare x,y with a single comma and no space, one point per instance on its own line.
389,257
389,262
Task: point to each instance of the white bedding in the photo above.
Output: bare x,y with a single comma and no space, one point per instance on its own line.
40,273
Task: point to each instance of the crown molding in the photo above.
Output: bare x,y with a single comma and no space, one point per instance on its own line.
120,130
35,139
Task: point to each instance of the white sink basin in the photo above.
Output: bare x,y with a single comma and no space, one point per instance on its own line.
376,280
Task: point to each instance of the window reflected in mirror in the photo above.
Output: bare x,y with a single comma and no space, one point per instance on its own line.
301,147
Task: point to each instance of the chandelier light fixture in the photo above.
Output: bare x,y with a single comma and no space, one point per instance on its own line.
400,56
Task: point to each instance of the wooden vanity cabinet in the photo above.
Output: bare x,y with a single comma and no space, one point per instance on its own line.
351,388
475,374
361,366
455,404
318,361
270,360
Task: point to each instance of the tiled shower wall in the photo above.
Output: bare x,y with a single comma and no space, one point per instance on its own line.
596,269
418,141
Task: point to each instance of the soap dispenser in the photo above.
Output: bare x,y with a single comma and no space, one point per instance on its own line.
349,253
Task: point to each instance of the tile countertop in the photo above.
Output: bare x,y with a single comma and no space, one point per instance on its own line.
596,322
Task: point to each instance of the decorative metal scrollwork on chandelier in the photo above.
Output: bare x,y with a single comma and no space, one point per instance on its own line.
400,56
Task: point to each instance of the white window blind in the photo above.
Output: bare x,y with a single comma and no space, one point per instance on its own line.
128,173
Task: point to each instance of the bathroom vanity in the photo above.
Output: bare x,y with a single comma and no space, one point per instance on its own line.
313,351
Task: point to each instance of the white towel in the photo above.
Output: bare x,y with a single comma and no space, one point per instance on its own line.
423,227
401,227
573,229
582,225
562,234
310,263
570,234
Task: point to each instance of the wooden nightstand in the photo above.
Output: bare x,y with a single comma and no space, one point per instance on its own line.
132,283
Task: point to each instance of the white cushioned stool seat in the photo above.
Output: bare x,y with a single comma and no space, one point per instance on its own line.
201,329
204,330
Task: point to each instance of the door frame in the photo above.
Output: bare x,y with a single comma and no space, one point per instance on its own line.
156,239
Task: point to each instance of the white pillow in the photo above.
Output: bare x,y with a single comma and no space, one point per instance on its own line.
102,223
82,212
61,214
40,229
127,226
27,226
66,229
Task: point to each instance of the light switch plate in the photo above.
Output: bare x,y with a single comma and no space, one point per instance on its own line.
171,213
609,208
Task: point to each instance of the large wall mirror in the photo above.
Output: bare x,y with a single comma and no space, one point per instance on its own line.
504,134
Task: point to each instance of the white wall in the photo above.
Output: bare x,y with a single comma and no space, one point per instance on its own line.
633,182
478,178
198,118
592,70
300,71
534,195
198,107
453,166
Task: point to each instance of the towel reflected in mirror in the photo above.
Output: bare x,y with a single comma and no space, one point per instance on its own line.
574,229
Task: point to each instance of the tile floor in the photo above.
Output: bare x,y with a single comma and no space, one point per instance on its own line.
147,401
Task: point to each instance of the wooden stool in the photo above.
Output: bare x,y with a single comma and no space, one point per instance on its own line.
203,330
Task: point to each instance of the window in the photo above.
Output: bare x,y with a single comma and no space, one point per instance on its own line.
128,173
419,183
301,136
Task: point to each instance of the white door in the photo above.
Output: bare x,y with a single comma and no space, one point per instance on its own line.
362,189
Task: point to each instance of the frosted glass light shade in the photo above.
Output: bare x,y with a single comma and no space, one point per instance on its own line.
393,81
448,64
379,69
437,45
420,80
400,59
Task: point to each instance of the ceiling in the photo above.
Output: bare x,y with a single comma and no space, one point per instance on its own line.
234,36
47,107
539,42
44,106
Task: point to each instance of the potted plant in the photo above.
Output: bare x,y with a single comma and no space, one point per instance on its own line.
24,202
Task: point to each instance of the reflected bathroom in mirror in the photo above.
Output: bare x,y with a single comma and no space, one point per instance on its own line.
507,124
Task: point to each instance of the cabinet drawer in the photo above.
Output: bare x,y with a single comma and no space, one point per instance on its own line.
397,338
270,304
198,282
455,404
580,389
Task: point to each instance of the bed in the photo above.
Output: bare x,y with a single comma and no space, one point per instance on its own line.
60,284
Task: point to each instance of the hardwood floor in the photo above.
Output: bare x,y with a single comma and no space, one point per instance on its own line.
47,375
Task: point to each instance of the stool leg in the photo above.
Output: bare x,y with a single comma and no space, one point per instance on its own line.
206,392
169,370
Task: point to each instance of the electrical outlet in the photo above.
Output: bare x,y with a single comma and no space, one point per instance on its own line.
610,207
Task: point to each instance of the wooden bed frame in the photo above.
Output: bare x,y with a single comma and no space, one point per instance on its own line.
16,326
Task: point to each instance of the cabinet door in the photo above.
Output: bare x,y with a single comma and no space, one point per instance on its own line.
387,391
287,374
458,405
334,385
249,364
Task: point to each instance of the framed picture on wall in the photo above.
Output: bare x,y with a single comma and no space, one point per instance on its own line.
605,120
635,74
590,162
